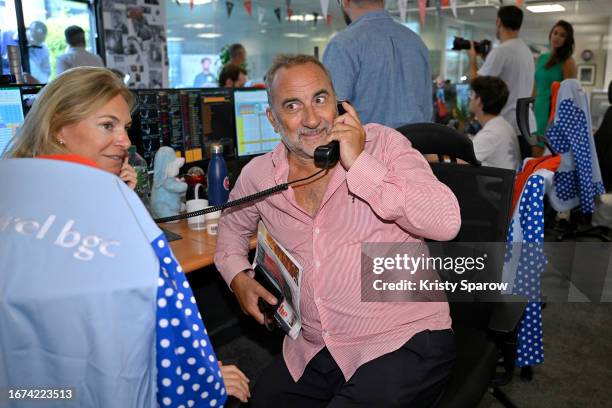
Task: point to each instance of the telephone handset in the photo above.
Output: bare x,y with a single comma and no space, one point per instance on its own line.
327,156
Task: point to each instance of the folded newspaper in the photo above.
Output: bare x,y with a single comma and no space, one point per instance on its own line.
282,271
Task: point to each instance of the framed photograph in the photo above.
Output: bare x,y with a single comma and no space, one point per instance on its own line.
586,74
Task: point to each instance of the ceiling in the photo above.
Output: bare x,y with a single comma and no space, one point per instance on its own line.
591,18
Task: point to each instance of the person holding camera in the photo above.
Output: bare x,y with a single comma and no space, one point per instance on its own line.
512,61
496,144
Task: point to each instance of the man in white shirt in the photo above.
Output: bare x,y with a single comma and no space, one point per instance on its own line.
496,144
76,56
512,61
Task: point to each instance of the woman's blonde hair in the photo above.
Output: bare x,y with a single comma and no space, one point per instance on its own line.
71,97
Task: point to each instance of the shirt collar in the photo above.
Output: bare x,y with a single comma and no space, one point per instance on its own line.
372,16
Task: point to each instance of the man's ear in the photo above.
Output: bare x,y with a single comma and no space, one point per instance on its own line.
272,119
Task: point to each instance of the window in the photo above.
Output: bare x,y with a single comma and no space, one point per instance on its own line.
8,32
54,16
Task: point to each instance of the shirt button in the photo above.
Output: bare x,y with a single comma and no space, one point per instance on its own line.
325,333
317,230
317,263
318,300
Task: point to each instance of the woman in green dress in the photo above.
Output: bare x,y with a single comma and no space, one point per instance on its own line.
552,66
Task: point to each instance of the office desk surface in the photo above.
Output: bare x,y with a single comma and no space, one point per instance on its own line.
196,249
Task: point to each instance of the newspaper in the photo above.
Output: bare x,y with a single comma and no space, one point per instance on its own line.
285,273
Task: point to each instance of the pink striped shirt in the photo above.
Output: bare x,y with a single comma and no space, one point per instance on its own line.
397,199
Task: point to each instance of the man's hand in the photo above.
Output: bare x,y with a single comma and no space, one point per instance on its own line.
472,51
248,291
236,383
128,174
347,129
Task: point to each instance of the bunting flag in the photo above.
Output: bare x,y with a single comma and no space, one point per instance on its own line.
249,7
453,4
316,17
403,6
190,4
324,7
261,12
329,20
519,3
289,9
229,6
422,11
444,3
277,12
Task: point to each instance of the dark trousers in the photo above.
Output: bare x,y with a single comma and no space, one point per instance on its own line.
412,376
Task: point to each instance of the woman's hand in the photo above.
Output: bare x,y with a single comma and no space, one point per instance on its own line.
236,383
128,174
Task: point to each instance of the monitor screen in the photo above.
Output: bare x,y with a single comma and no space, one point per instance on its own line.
29,93
11,115
254,133
218,119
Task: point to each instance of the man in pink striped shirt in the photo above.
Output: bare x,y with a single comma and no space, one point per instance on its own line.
349,352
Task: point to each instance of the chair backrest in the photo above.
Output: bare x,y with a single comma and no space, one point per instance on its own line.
485,198
433,138
78,284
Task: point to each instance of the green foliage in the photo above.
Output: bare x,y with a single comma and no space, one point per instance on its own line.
224,55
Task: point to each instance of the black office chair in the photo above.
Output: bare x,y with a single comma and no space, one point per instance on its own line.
483,330
527,139
427,138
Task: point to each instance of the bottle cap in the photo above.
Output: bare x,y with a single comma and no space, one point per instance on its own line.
216,148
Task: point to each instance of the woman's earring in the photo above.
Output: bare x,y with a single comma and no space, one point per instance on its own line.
61,141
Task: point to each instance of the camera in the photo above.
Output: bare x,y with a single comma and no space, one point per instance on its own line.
483,47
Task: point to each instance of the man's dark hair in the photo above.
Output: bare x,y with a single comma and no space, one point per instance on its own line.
289,61
511,17
235,49
493,93
204,59
232,72
75,36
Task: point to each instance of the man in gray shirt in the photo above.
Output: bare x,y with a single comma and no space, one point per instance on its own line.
380,66
76,56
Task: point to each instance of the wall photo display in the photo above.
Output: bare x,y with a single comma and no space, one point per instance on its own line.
135,41
586,74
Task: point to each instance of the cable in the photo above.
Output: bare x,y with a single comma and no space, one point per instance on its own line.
237,201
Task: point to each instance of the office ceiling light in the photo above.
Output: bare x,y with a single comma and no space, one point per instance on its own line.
195,2
295,35
198,26
209,35
304,17
546,8
175,39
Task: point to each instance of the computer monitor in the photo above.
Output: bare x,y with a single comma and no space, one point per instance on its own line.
254,133
29,93
218,119
11,115
599,106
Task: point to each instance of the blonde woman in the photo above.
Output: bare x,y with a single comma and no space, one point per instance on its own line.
86,112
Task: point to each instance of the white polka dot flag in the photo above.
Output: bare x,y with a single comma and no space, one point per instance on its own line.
529,219
188,373
570,136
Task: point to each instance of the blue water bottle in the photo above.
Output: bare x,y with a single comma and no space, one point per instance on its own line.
218,182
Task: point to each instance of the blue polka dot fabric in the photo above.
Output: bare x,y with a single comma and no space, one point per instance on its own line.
529,217
571,135
188,373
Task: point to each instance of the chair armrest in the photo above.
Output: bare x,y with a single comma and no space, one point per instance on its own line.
505,315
